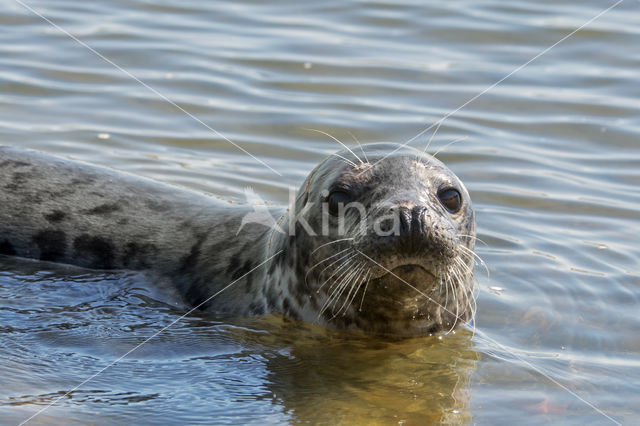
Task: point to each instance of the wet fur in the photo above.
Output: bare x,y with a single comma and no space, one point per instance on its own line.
64,211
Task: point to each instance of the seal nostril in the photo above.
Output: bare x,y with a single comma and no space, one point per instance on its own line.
417,220
411,221
405,220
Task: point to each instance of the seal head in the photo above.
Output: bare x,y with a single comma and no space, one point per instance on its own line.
385,242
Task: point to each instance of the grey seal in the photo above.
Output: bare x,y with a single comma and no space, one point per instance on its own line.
380,242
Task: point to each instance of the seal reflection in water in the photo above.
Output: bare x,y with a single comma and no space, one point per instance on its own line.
380,242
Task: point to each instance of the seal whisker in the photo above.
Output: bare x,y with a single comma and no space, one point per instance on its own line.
364,276
477,256
338,281
322,261
336,292
472,236
462,292
340,264
470,297
455,289
365,290
341,258
433,135
332,292
360,145
450,283
328,257
471,305
351,163
356,285
459,262
341,289
331,242
467,274
446,288
337,140
460,139
338,269
459,271
471,253
454,275
474,307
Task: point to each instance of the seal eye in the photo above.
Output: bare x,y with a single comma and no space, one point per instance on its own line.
450,199
335,199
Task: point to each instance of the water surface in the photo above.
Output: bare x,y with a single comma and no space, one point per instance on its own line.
551,159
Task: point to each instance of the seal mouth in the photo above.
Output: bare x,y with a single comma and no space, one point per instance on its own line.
409,268
400,269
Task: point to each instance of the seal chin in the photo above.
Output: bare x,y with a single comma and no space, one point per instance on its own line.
406,281
408,300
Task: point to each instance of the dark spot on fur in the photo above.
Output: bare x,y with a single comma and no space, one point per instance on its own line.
239,272
196,294
104,209
18,179
295,315
13,163
246,267
289,310
256,308
234,262
55,216
137,255
191,260
301,291
186,224
7,248
272,301
315,303
279,262
86,180
96,252
157,206
248,285
131,250
61,192
273,265
51,243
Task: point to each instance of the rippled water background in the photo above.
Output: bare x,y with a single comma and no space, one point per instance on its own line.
551,159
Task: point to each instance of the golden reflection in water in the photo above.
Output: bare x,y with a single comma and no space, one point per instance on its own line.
333,377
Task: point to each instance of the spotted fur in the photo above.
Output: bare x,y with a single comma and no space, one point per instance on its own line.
417,282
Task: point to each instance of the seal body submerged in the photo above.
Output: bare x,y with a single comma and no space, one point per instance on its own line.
381,242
